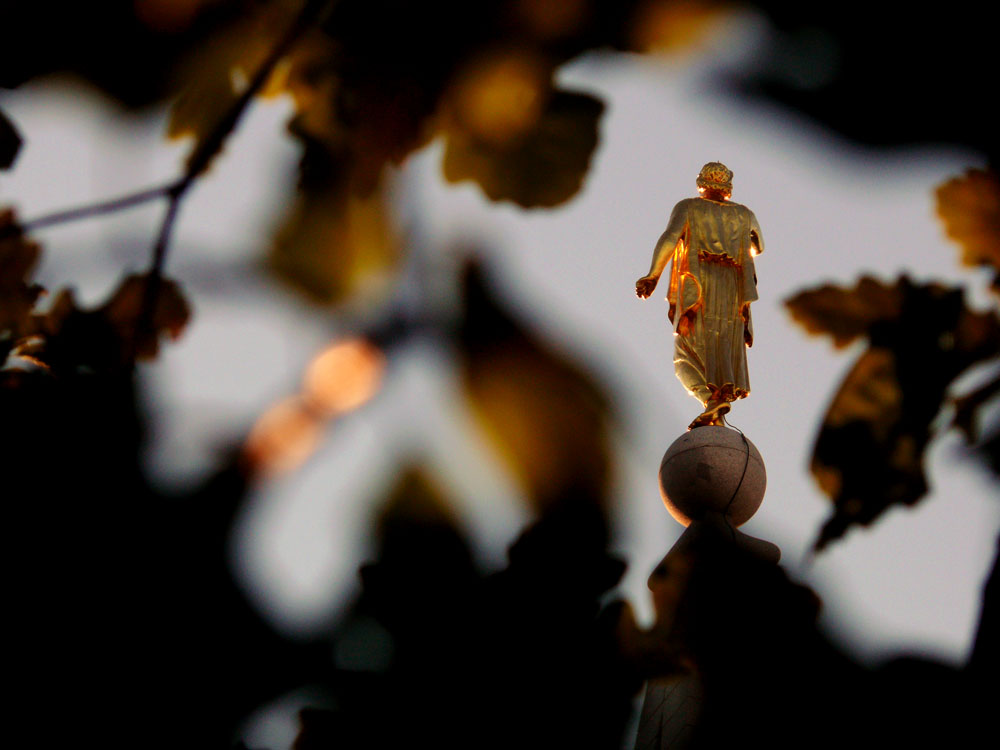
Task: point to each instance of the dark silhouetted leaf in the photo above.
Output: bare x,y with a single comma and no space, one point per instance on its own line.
544,415
869,453
543,167
969,208
833,68
130,49
423,558
18,258
10,142
106,339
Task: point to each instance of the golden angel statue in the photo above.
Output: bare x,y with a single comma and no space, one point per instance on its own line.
711,242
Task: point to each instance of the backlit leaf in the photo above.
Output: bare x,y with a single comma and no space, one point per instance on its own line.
545,166
969,207
673,25
218,72
546,417
170,312
845,314
333,244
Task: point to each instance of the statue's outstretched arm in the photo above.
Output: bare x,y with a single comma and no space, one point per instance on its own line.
663,251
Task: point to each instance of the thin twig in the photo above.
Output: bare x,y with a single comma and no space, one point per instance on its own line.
210,146
312,12
96,209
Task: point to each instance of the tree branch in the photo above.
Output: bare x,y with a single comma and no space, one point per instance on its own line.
313,11
93,209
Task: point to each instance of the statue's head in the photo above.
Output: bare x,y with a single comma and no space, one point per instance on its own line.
716,177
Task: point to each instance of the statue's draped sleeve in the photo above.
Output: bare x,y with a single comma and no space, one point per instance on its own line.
683,290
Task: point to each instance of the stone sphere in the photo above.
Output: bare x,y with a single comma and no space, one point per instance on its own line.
704,469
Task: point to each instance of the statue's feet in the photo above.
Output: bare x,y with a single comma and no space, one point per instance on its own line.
713,415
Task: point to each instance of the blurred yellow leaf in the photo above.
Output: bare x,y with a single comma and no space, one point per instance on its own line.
673,25
870,393
170,313
545,166
547,419
334,244
499,97
845,314
969,208
218,73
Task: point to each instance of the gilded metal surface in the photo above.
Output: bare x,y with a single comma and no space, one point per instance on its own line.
710,243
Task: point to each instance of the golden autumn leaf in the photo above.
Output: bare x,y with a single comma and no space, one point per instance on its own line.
869,452
543,167
124,310
545,417
219,71
334,243
845,314
371,93
969,208
673,25
500,96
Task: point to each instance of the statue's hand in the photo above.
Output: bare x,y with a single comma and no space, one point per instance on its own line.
645,286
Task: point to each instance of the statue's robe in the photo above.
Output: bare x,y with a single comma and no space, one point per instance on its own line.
712,283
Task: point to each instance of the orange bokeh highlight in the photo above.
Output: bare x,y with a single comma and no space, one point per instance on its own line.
343,377
284,437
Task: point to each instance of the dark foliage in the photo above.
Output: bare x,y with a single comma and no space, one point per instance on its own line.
881,75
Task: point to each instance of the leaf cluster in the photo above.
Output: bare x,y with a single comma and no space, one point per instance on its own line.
869,454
